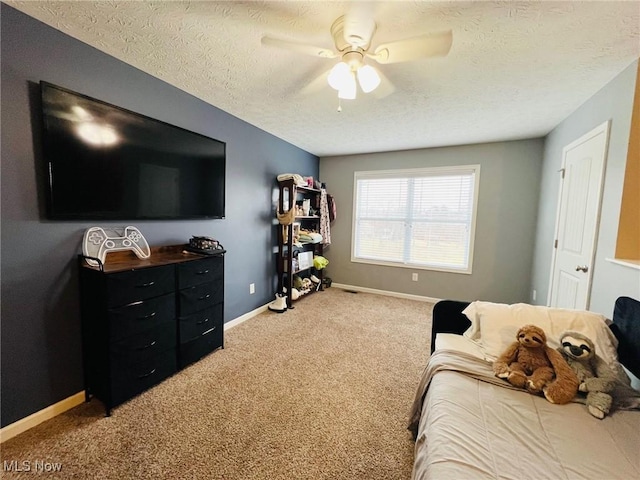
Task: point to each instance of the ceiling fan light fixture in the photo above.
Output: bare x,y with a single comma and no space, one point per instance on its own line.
348,90
339,76
368,78
352,36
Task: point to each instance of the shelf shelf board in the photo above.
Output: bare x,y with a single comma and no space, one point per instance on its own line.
302,270
289,181
307,189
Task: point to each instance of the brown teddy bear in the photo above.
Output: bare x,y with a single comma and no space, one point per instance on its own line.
531,364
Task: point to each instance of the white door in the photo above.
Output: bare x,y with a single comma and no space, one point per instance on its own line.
578,217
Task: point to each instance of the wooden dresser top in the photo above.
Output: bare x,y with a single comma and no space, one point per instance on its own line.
127,260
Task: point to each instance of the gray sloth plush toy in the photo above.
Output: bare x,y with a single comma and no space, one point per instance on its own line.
597,379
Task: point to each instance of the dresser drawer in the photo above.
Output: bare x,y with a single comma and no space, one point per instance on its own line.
198,348
135,285
143,346
136,313
198,298
193,326
141,316
125,383
200,271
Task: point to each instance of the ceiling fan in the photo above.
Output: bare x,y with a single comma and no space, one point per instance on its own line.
352,35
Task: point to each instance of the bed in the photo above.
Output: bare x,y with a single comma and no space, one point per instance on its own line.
469,424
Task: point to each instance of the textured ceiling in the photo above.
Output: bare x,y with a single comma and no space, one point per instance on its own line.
515,70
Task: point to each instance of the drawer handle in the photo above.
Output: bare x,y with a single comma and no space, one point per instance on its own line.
208,331
145,285
204,297
147,374
144,347
203,321
202,272
145,317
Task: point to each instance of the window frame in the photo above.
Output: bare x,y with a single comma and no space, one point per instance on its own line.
416,172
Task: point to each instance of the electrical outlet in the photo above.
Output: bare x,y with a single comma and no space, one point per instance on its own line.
252,288
534,294
414,277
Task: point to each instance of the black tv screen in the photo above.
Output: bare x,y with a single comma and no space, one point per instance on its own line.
107,163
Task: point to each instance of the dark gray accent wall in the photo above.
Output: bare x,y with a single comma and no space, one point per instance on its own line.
505,230
40,325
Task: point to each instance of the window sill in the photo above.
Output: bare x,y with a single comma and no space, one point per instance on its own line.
635,264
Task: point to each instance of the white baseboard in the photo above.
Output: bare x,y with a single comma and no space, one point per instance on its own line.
388,293
243,318
62,406
43,415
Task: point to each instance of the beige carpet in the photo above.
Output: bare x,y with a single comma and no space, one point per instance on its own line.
319,392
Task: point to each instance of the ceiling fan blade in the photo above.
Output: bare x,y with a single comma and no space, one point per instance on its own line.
385,88
299,47
424,46
359,25
316,85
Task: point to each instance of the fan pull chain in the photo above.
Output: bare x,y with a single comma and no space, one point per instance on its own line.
339,105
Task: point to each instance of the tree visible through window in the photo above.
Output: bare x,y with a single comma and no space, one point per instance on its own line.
421,218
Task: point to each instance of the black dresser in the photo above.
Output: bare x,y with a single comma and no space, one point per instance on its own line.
142,320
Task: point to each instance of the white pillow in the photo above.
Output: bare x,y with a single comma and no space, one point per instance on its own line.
494,327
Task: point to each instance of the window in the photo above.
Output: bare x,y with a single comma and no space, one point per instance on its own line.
420,218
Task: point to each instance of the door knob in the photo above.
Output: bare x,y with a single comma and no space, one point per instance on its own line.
582,268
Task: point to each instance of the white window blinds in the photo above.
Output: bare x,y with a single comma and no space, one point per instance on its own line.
422,218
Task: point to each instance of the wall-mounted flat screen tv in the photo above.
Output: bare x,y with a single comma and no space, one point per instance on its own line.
104,162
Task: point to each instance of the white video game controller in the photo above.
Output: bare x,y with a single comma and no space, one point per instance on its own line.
98,242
